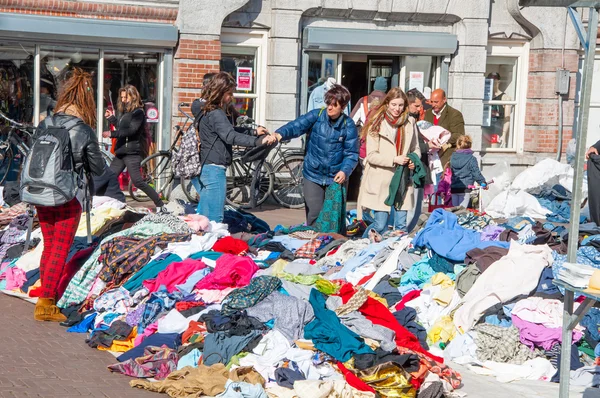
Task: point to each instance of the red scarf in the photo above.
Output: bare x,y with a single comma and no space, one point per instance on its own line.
397,123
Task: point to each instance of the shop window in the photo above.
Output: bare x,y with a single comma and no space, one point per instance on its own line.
16,81
501,103
139,69
241,63
419,73
55,63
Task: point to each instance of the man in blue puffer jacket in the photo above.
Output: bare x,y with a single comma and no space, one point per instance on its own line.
331,148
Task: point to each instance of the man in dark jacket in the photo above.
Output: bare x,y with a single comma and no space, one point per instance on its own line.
442,114
331,148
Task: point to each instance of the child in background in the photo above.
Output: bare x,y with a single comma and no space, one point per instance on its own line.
465,172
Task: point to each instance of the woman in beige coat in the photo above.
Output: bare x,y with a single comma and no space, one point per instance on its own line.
390,135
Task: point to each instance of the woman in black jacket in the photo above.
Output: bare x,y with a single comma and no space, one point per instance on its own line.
217,136
130,134
59,223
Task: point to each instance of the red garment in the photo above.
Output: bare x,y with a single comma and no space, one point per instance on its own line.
194,328
59,225
186,305
365,279
406,298
230,271
354,380
72,267
377,313
231,245
175,274
436,120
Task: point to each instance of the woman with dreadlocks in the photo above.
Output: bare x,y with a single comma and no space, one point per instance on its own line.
391,135
76,110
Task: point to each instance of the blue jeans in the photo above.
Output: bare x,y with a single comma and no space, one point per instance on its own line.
461,199
211,185
382,219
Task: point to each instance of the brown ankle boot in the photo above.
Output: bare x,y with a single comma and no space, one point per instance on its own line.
46,310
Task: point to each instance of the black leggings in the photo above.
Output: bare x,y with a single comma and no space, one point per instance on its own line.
132,162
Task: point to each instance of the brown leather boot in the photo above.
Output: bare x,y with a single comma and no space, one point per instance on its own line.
46,310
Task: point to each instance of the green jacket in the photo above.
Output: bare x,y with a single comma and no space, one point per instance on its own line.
452,120
401,181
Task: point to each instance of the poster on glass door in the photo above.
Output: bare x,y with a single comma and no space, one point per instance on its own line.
244,78
416,80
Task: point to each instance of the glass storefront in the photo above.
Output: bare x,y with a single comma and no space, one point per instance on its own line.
16,81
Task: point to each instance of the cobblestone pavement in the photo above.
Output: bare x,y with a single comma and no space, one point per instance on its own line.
40,359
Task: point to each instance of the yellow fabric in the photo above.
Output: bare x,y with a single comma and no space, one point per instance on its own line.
189,382
389,380
378,298
326,287
122,345
442,330
98,219
444,296
277,267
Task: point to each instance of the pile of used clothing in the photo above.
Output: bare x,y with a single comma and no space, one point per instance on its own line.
196,308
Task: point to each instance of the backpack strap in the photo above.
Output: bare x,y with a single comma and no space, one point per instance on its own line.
30,214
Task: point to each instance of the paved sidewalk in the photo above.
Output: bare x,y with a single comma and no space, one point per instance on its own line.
40,359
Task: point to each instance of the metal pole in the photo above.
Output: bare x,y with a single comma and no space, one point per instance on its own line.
36,85
100,95
584,111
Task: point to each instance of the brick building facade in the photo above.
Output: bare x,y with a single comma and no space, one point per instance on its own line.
289,46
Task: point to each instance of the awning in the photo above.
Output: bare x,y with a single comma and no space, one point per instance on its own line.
94,32
378,41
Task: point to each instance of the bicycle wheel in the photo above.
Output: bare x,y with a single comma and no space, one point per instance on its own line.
288,190
157,172
239,183
190,192
6,158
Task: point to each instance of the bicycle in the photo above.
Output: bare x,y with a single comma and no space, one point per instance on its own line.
288,188
14,138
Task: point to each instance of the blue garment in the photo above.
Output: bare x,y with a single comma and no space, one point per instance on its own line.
560,211
330,146
329,335
158,303
591,322
240,389
150,271
189,359
196,277
211,185
395,218
465,171
518,223
493,320
419,274
84,326
219,347
362,257
545,285
171,340
443,235
292,244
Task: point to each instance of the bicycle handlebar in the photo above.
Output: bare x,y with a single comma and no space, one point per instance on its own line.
13,122
186,104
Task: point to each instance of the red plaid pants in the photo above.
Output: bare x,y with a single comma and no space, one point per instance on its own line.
59,225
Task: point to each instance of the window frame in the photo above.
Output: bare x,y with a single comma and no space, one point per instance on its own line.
520,51
257,39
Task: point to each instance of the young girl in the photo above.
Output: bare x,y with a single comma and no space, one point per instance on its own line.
465,172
